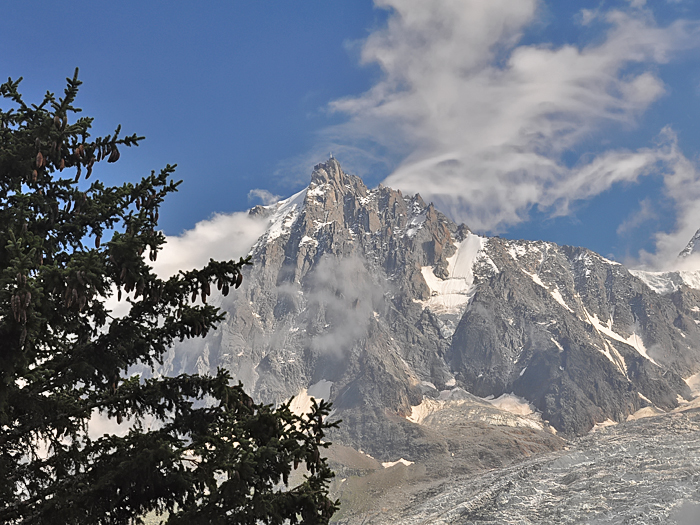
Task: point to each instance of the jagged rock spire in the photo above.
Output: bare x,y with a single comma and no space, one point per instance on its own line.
327,171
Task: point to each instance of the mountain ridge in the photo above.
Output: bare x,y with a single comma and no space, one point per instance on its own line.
384,298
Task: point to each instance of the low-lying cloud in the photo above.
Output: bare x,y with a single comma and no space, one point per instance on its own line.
342,294
481,124
223,237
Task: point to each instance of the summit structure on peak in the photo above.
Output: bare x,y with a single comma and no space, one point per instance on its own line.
422,332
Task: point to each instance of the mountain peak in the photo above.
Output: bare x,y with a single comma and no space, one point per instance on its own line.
690,247
329,171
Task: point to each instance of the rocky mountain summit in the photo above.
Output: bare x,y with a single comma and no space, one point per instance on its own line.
413,325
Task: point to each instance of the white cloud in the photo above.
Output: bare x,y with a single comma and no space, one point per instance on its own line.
479,124
265,196
221,238
588,16
682,186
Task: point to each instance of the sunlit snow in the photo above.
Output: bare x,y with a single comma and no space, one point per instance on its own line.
535,278
389,464
558,298
634,340
669,282
514,404
606,423
301,404
450,296
286,212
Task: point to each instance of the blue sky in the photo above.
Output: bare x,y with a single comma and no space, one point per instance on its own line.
575,122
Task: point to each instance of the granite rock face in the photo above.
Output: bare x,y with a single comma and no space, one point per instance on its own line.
381,304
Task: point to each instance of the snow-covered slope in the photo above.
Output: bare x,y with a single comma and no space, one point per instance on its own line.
669,282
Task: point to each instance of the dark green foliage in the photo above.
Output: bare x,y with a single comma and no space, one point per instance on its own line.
212,455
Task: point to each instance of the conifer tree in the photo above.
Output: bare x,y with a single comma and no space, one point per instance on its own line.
67,243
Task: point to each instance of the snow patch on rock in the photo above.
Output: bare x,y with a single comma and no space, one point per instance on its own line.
669,282
606,329
389,464
510,410
317,191
606,423
452,294
514,404
561,348
302,402
535,278
415,224
558,298
694,383
422,411
307,240
645,412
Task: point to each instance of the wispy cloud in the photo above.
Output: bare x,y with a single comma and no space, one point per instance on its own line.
264,196
343,294
682,186
646,212
480,124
